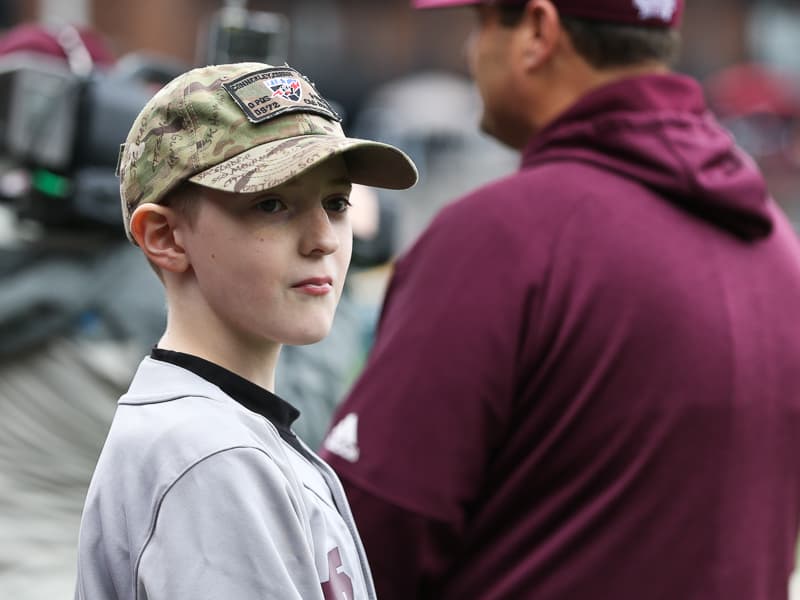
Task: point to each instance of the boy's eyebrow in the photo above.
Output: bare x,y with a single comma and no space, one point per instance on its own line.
336,181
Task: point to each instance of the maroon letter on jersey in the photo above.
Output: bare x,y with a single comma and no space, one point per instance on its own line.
339,586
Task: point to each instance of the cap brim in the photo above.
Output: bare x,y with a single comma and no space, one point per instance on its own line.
274,163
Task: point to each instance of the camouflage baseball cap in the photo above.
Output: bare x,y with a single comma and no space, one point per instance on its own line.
244,127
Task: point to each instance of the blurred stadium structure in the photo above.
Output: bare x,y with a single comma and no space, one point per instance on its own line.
78,306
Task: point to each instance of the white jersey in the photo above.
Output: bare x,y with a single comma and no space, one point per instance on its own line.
197,496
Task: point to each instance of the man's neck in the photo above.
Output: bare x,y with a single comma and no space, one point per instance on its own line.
566,91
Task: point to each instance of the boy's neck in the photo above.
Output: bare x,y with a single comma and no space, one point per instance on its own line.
212,342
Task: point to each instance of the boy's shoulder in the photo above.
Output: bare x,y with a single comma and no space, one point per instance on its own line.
172,418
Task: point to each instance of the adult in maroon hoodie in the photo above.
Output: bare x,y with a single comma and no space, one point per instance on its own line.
586,378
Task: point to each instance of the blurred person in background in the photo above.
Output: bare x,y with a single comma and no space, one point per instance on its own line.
78,306
585,381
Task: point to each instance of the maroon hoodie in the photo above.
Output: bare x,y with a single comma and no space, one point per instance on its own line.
586,379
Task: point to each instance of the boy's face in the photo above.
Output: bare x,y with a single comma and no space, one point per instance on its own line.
271,265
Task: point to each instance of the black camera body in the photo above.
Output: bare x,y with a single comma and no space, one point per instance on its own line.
60,134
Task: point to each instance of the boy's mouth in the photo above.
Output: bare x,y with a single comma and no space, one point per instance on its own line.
314,286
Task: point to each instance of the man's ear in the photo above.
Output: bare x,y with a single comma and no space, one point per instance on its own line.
539,34
154,227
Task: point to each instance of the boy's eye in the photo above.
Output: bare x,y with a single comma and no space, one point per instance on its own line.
270,205
337,204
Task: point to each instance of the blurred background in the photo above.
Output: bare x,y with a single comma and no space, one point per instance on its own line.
79,307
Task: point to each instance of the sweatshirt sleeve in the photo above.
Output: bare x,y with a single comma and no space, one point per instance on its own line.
228,528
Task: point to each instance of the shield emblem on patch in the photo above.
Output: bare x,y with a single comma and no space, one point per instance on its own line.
285,87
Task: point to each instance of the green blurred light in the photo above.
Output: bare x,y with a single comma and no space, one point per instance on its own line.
50,184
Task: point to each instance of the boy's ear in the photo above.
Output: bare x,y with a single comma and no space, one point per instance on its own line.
154,228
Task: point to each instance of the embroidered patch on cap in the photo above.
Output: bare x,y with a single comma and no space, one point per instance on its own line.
657,9
269,93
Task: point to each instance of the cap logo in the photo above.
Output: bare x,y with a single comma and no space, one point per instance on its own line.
657,9
285,87
268,93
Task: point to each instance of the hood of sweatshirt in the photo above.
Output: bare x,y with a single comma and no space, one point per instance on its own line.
657,130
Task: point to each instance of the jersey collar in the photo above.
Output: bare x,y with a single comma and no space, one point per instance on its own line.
253,397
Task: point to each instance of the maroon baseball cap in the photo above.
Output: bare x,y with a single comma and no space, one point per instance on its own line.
653,13
39,39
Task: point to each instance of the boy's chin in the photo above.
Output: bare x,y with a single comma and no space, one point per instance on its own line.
308,337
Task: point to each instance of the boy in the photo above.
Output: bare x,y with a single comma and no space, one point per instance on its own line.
234,182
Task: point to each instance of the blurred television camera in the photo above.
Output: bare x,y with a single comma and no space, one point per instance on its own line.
60,132
63,116
62,119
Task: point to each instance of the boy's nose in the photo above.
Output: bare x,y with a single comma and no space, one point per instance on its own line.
318,234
